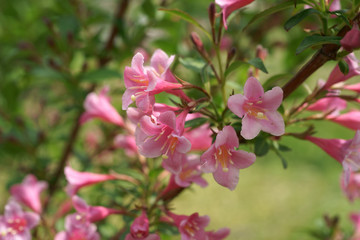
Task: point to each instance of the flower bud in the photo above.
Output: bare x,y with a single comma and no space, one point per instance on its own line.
351,40
261,52
197,41
212,13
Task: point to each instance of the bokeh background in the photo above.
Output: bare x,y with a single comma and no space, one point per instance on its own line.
53,52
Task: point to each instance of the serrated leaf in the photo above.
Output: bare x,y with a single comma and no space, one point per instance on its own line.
344,67
187,18
294,20
316,40
99,75
258,63
261,146
233,66
194,123
272,10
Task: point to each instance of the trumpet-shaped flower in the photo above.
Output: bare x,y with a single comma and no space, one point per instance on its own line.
329,104
78,180
92,213
337,76
99,106
16,224
163,137
258,109
76,228
346,152
142,83
229,6
28,192
126,142
218,235
191,227
224,161
139,229
355,218
350,119
351,40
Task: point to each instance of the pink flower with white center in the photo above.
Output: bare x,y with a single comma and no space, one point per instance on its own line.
191,227
228,6
126,142
346,152
258,109
350,119
329,104
92,213
142,83
28,192
337,76
99,106
78,180
163,137
78,228
218,235
139,229
351,40
352,189
224,161
16,224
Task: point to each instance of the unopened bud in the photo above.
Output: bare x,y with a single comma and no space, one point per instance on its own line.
231,54
197,41
212,13
261,52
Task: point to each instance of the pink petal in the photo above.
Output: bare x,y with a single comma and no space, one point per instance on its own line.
242,159
32,219
80,205
272,99
183,145
250,127
169,119
227,136
350,120
228,179
161,61
253,89
208,161
274,124
236,103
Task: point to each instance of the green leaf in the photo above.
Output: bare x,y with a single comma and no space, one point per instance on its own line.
149,8
187,18
233,66
283,160
316,40
294,20
341,14
99,75
284,148
196,122
261,146
196,65
258,63
344,67
272,10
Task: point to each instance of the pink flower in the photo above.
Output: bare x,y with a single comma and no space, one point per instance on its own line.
224,161
335,6
92,213
142,83
191,227
78,228
28,192
350,119
199,137
258,109
351,40
354,87
328,104
337,76
218,235
346,152
163,137
126,142
355,218
16,224
139,229
99,106
352,189
228,6
78,180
